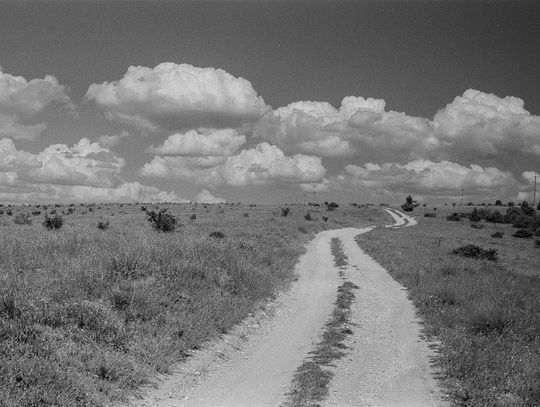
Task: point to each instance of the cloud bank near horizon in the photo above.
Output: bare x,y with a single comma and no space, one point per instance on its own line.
206,127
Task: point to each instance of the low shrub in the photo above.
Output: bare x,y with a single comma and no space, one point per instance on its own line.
307,216
454,217
523,234
22,219
285,211
494,217
103,225
524,221
498,235
162,220
331,206
430,215
53,222
474,216
325,218
476,225
537,243
193,217
475,252
217,234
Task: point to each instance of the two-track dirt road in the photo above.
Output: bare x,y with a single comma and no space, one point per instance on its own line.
387,364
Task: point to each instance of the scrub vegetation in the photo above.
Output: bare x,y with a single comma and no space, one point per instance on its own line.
89,314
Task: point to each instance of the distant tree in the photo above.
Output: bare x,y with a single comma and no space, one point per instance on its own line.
498,202
408,206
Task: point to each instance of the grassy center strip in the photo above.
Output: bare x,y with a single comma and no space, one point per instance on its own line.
311,380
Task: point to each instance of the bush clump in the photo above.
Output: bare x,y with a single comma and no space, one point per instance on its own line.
408,206
454,217
498,235
53,222
475,216
103,225
523,234
22,219
476,225
430,215
331,206
475,252
217,234
285,211
307,216
162,221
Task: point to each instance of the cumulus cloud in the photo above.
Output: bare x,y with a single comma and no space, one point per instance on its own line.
21,101
359,128
204,142
262,164
476,127
84,163
480,125
206,197
84,172
125,192
425,176
175,97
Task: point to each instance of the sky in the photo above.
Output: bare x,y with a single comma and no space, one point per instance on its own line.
268,101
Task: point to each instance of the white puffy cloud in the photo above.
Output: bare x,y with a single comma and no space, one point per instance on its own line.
175,97
206,196
109,141
359,128
205,142
427,177
479,125
125,192
21,101
476,127
262,164
84,172
84,163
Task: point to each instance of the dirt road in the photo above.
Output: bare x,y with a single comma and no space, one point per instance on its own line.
386,365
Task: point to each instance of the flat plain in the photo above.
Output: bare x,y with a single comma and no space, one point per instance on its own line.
89,315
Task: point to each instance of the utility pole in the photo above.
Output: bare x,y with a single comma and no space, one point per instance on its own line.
534,192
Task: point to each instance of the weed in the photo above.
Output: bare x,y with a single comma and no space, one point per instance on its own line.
475,252
523,234
103,225
453,217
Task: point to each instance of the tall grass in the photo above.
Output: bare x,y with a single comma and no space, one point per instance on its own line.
87,316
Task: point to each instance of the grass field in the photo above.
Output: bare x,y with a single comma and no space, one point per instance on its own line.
88,315
484,314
